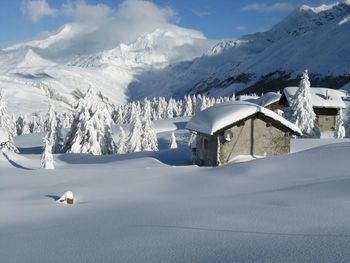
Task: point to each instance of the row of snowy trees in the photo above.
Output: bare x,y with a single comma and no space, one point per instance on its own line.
160,108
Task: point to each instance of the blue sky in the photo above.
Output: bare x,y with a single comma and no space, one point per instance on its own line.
216,19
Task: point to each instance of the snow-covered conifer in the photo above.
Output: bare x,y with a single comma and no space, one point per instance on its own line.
187,107
302,113
135,137
122,142
54,128
26,125
20,125
46,157
173,143
7,127
171,109
148,135
6,121
339,131
91,128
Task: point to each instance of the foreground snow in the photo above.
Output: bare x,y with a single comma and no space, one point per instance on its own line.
145,208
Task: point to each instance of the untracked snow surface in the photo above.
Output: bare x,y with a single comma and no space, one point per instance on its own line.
155,207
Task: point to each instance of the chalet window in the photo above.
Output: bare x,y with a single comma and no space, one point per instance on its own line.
206,144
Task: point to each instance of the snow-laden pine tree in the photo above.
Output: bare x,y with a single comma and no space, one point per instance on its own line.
46,157
19,124
122,143
117,115
7,126
6,121
302,113
339,132
187,107
135,137
36,125
91,128
173,144
26,125
67,119
54,128
148,135
171,108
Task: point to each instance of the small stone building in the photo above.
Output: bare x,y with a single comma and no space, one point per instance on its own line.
326,104
228,130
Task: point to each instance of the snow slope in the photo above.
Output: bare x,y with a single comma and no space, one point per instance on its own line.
309,38
144,209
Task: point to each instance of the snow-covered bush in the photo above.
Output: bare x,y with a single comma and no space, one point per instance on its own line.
173,144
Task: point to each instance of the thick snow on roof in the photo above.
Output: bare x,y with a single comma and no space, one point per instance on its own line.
219,116
266,99
319,97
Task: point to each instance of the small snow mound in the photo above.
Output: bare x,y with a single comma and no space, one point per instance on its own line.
66,198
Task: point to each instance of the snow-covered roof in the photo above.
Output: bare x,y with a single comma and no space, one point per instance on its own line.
247,97
321,97
266,99
222,115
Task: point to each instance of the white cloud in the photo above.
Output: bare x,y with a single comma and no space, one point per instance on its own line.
200,13
240,28
37,9
96,27
265,8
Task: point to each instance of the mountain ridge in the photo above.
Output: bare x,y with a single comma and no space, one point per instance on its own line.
172,61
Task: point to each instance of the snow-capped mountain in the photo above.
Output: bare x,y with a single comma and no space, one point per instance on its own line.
174,61
313,38
59,67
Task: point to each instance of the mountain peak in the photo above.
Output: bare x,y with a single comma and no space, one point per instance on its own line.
325,7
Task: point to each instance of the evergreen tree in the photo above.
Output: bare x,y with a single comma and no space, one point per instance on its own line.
35,125
91,128
6,121
339,132
135,144
187,107
6,125
46,157
173,143
54,127
171,108
302,111
26,125
19,125
148,136
122,142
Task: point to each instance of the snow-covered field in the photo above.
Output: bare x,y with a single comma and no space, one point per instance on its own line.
157,207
